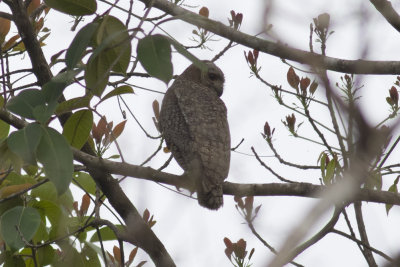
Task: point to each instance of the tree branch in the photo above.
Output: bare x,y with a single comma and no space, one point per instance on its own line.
386,9
369,257
380,253
235,189
6,15
287,257
276,49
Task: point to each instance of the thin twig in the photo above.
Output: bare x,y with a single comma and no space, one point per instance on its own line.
360,243
281,160
256,234
369,257
269,169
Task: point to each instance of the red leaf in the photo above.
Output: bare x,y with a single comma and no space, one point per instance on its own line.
257,209
313,87
5,25
239,18
156,109
117,254
146,215
101,129
394,95
255,53
304,83
204,12
75,206
119,128
267,129
248,204
85,204
132,255
292,78
239,201
251,253
250,58
228,252
228,242
240,248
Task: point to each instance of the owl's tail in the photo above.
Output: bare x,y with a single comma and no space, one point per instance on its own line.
209,194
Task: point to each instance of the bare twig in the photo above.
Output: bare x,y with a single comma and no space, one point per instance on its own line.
363,234
388,12
269,169
360,243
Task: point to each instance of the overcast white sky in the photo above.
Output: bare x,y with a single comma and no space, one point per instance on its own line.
194,235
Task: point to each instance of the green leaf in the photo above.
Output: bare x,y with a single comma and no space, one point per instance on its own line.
41,233
184,52
12,260
66,200
330,171
72,104
4,129
41,104
91,257
43,112
55,87
78,46
8,158
71,257
374,181
86,181
56,156
393,189
27,220
113,41
46,255
154,53
73,7
96,75
25,102
77,128
14,178
24,142
106,234
112,53
50,210
124,89
46,191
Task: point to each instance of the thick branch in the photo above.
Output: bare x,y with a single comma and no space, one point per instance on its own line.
386,9
39,65
272,189
277,49
6,15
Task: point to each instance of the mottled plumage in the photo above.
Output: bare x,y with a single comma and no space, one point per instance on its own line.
193,121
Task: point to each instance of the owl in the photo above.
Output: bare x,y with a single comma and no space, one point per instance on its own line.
193,122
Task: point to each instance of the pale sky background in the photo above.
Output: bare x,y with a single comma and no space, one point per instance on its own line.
193,235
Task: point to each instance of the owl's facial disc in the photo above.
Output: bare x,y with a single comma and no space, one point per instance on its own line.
215,79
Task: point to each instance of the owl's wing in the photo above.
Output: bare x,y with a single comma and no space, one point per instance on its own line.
206,118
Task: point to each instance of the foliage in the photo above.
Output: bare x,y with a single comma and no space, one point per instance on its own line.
40,221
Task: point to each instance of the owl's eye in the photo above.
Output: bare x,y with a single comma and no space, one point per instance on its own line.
212,76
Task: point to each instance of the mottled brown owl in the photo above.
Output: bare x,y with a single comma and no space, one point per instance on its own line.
193,121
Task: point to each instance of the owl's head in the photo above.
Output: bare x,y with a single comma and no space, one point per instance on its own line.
211,76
